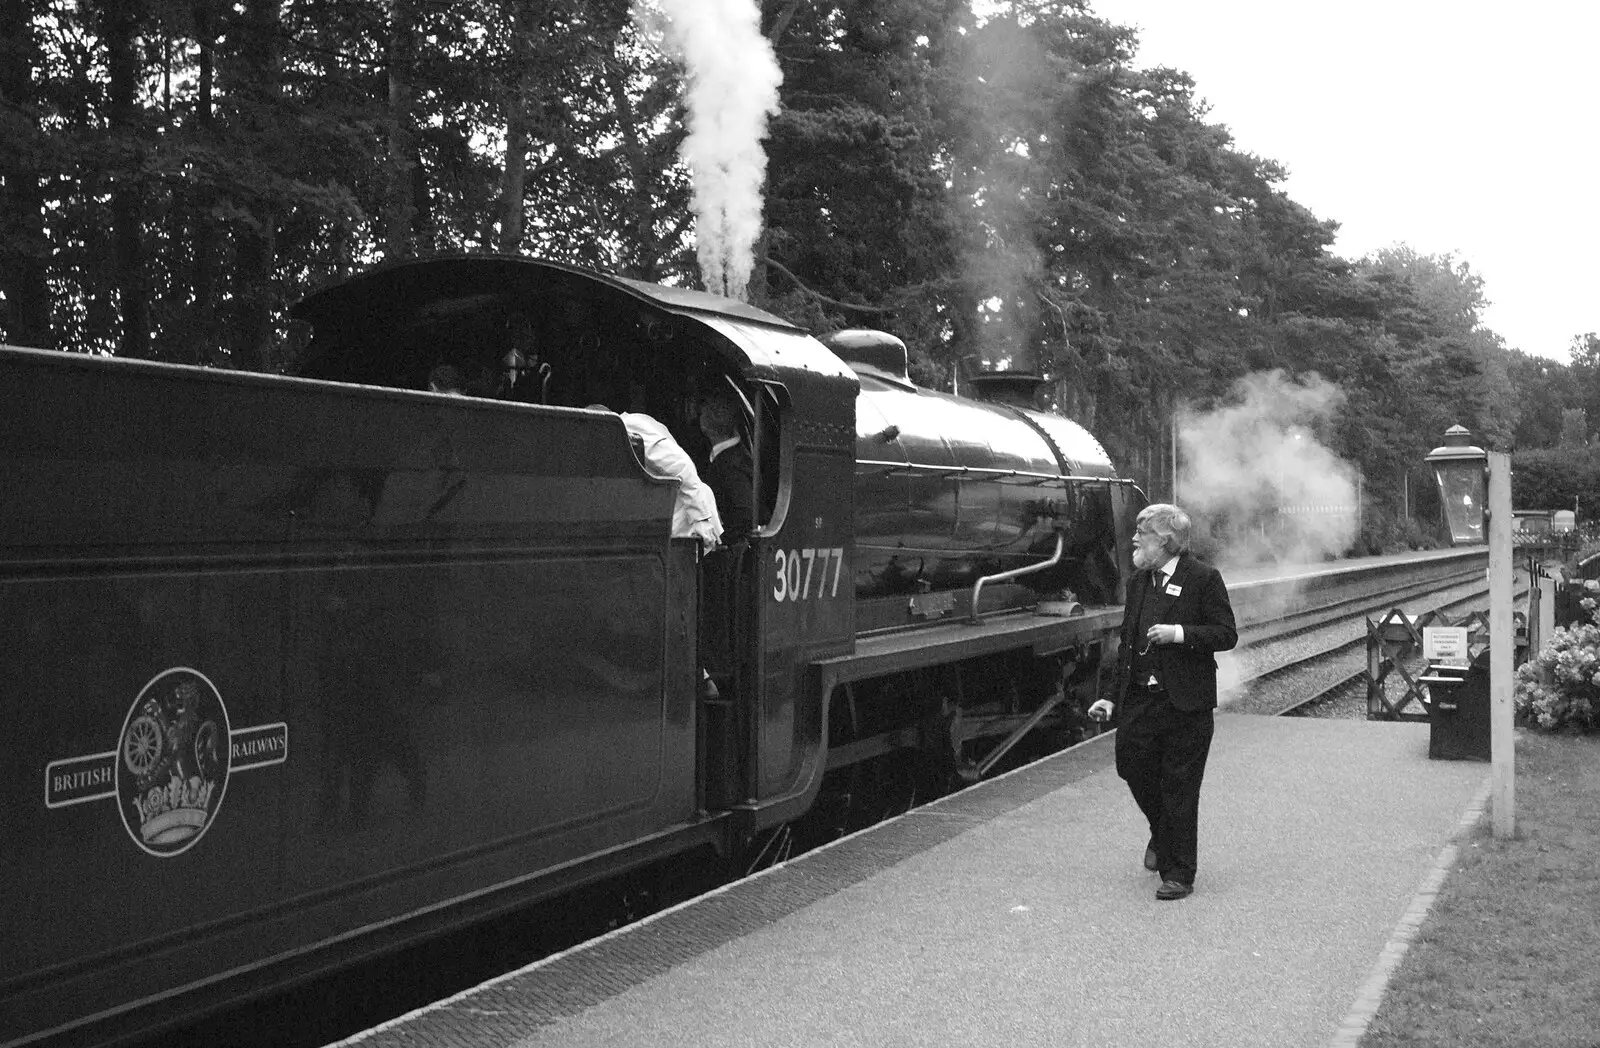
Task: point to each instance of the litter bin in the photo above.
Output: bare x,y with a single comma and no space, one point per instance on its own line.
1458,712
1569,603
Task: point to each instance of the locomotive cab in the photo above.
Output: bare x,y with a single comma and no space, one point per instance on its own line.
518,331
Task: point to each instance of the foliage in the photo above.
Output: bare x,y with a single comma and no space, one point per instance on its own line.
1544,390
1553,478
1559,688
1574,428
1583,375
1385,530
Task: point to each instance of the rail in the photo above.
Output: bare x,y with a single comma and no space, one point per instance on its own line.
1269,607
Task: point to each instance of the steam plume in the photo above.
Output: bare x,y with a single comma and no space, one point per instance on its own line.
732,80
1257,477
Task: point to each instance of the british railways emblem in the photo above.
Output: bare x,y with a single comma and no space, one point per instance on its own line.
172,761
170,770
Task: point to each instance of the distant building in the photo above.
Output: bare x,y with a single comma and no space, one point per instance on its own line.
1530,523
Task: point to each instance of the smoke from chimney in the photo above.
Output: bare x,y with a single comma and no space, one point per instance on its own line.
732,77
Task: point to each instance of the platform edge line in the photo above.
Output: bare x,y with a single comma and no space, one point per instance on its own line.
1370,996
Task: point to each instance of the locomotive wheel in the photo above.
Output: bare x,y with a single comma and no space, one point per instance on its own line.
141,747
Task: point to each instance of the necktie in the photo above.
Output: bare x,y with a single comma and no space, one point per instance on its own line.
1158,579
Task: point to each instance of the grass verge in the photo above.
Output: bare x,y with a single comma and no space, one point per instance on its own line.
1510,952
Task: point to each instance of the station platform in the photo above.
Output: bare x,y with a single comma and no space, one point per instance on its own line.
1017,912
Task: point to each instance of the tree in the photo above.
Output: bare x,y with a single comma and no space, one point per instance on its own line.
24,245
1553,478
257,96
855,208
1584,371
402,209
127,149
1574,428
1543,390
1458,368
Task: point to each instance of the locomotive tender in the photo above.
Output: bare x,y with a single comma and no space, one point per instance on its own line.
313,667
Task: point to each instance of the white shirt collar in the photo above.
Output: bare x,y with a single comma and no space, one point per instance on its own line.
1169,569
722,446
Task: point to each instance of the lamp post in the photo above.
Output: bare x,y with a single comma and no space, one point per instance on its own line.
1459,467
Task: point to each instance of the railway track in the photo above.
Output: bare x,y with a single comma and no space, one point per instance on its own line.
1296,673
1263,624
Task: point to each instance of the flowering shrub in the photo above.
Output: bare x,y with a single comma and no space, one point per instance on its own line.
1559,688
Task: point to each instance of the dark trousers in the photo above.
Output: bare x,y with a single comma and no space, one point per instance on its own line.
1161,753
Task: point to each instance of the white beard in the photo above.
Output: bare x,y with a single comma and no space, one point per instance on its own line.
1145,562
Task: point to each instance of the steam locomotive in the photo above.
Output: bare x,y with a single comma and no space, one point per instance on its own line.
314,667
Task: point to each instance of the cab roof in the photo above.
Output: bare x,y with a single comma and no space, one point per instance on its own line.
394,296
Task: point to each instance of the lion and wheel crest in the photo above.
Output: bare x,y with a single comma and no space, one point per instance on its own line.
172,761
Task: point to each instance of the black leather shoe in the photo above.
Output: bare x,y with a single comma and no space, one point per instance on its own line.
1150,858
1170,890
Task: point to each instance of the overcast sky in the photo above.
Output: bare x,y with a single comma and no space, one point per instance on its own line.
1462,127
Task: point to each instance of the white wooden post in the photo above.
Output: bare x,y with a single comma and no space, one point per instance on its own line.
1501,740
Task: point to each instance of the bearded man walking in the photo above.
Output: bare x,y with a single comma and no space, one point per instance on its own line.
1177,617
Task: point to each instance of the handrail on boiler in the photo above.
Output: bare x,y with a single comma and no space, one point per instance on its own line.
977,587
882,468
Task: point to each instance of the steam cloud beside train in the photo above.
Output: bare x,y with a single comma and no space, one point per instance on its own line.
731,87
1248,462
1256,477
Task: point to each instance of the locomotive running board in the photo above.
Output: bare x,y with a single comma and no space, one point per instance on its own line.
947,642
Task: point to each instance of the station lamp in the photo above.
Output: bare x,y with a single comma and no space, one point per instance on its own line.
1462,470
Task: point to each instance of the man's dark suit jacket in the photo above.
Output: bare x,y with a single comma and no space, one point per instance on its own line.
1187,670
729,476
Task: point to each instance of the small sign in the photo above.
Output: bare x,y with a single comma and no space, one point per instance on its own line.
932,605
79,779
1446,646
259,746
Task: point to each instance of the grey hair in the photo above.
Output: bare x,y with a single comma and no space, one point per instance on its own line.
1169,523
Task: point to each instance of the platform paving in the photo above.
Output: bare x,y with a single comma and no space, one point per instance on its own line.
1017,913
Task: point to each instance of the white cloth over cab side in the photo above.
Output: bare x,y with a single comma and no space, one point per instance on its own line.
694,512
